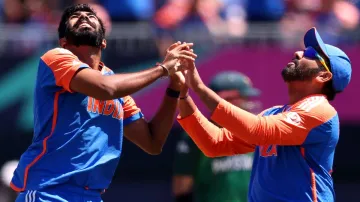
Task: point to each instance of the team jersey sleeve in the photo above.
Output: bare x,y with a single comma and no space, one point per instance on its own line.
287,128
63,65
186,156
212,140
131,111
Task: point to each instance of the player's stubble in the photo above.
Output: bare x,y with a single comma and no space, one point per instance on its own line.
298,72
84,36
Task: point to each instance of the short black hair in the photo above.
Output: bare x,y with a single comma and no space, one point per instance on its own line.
70,11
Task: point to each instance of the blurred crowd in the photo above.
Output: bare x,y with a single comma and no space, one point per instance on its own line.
221,19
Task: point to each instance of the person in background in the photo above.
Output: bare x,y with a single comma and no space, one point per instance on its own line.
201,179
6,173
212,20
129,10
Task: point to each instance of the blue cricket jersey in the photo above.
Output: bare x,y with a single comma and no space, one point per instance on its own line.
294,147
77,139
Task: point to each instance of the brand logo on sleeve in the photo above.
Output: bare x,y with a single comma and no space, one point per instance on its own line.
293,118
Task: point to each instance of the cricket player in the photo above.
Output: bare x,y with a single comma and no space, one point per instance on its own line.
198,178
82,110
294,143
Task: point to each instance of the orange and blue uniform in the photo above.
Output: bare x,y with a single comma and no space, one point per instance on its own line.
77,139
294,146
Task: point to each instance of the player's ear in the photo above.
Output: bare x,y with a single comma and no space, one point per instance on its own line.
103,44
62,42
324,77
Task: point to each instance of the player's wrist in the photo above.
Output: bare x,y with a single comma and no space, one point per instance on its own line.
164,69
172,92
175,86
184,92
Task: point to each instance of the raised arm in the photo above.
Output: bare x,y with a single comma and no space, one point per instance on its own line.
75,76
151,135
92,83
211,140
287,128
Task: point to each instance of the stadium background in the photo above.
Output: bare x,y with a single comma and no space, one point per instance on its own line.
255,37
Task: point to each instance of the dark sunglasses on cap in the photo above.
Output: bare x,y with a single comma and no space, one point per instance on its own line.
311,53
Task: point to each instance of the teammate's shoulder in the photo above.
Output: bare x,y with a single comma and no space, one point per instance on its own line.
276,107
57,51
317,106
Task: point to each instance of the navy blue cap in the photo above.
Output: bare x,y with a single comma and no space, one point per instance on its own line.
233,80
340,64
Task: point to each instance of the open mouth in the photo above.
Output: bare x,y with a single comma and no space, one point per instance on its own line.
84,24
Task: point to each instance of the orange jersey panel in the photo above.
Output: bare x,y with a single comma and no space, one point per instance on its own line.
64,64
290,127
212,140
130,107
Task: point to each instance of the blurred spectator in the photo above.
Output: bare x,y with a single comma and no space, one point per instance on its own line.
333,18
265,10
174,20
337,21
198,178
217,15
235,15
210,19
14,12
27,20
224,17
25,11
43,11
129,10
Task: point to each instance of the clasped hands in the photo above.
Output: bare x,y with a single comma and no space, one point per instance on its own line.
180,64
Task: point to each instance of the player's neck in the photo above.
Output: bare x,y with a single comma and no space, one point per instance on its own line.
299,90
87,54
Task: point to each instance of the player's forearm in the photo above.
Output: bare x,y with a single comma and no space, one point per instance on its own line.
258,130
186,105
120,85
197,129
207,96
210,139
242,123
163,120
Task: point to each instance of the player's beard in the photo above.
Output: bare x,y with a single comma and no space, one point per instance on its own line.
299,73
84,36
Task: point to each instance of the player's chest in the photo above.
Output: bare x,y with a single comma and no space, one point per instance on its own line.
110,108
276,152
94,108
269,152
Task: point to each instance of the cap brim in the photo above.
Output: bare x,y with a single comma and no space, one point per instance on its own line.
251,92
313,39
